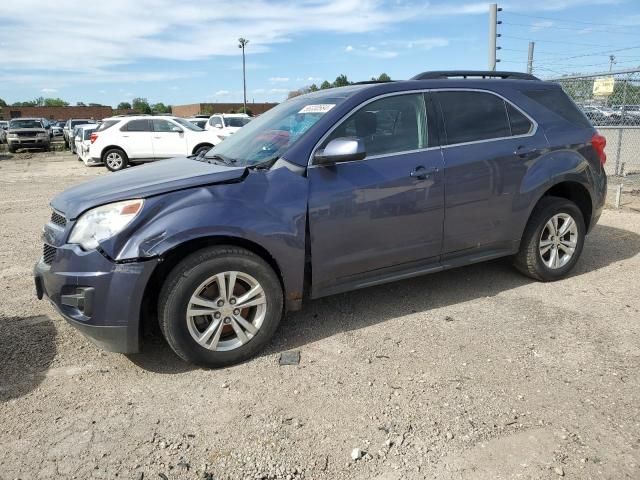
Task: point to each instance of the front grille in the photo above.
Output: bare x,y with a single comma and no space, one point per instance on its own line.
58,219
48,254
26,134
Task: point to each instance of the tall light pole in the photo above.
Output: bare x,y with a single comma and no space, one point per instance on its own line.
242,42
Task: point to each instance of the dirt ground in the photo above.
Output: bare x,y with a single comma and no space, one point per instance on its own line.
475,373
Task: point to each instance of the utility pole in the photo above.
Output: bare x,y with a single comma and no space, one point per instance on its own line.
241,44
493,34
530,58
612,60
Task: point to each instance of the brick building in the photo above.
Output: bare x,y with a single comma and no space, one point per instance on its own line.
60,113
197,108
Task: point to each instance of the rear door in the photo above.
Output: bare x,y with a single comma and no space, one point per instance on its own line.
167,141
374,219
135,136
488,146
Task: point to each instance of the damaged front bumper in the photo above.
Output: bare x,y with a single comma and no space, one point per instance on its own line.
99,297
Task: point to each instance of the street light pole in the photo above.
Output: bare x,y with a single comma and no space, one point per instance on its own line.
242,42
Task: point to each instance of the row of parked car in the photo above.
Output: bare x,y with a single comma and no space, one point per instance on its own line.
601,115
122,140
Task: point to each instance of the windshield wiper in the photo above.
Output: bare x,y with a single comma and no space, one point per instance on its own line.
216,156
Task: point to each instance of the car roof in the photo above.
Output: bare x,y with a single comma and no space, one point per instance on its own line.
27,118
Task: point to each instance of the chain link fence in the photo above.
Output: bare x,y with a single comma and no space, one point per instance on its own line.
612,102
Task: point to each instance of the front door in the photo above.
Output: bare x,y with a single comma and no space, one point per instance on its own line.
167,142
379,217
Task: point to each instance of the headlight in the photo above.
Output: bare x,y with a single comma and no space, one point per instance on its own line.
104,222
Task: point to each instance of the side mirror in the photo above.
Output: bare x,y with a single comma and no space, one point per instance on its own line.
341,150
177,129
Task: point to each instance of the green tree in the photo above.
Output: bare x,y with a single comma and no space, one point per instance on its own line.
160,108
313,87
3,103
141,105
124,106
247,111
384,78
52,102
341,81
324,85
80,104
30,103
96,105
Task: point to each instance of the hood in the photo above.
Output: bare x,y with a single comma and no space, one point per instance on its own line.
26,130
141,182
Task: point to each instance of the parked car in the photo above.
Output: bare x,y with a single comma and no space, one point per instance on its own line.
629,114
3,131
27,133
69,126
139,139
226,124
83,142
327,192
198,122
57,129
601,116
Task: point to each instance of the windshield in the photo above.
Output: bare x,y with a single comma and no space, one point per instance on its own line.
188,125
25,124
270,135
236,121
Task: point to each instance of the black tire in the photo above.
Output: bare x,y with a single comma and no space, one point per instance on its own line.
12,149
111,163
184,281
529,259
202,150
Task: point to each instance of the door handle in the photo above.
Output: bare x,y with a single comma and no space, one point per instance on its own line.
422,173
125,136
523,151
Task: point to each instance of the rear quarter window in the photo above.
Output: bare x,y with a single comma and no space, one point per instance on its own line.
105,125
558,102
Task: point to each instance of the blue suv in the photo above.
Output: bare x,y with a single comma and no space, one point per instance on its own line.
328,192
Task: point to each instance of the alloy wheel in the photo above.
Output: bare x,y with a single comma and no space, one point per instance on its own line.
558,240
114,160
226,311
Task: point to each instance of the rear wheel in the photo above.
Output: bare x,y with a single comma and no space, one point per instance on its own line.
12,149
220,306
202,150
115,159
552,241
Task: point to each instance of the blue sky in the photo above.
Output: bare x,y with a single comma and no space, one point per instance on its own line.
186,51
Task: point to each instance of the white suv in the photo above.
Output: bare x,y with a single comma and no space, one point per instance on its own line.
120,141
225,124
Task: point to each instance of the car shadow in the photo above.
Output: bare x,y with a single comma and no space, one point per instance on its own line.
329,316
27,348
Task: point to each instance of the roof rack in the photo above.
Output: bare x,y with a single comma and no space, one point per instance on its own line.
443,74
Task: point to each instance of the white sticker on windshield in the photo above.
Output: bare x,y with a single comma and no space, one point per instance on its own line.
320,108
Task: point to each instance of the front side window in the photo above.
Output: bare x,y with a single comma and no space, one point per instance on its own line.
390,125
142,125
473,116
163,126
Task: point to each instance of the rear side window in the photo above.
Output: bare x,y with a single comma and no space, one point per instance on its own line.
137,126
106,124
473,116
558,102
519,123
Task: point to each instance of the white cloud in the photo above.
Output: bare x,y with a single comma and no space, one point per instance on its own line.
278,90
541,25
349,48
259,90
221,93
49,90
279,79
427,43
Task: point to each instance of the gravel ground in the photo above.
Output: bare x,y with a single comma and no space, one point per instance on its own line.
472,373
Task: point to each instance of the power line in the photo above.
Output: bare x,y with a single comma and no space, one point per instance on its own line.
558,42
570,21
553,27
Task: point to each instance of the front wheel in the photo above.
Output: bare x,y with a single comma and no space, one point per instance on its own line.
220,306
115,159
552,241
202,150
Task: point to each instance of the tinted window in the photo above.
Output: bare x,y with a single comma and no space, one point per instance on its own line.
137,126
80,122
106,124
559,103
473,116
163,126
389,125
520,125
87,133
236,121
